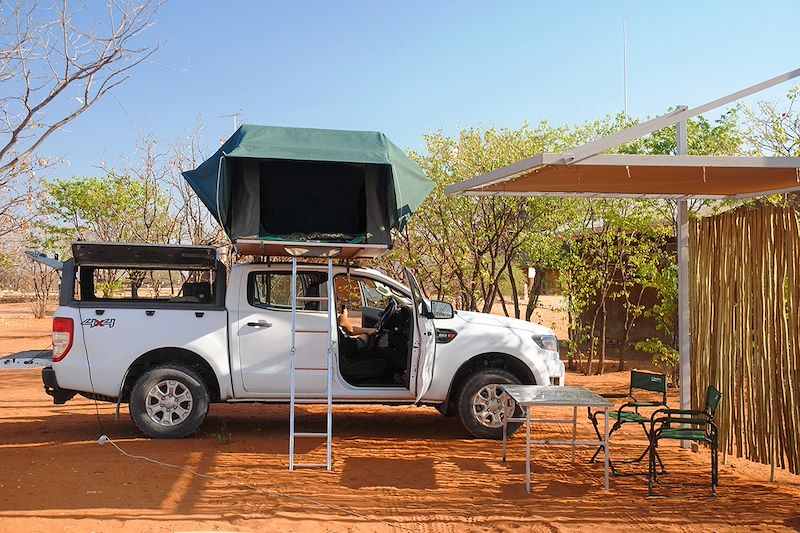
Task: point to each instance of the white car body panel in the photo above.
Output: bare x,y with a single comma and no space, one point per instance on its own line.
111,347
252,363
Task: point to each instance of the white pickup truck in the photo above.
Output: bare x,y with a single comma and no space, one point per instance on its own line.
164,329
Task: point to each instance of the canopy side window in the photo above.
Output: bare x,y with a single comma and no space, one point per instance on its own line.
97,284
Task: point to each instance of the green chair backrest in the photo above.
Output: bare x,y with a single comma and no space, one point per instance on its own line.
713,397
649,381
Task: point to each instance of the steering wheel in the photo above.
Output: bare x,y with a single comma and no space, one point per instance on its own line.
388,312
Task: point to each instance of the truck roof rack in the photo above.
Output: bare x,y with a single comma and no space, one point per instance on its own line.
134,255
334,250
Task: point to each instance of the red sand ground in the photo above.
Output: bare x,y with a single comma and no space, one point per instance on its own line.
395,469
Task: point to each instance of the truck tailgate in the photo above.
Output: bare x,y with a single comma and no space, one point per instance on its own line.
27,359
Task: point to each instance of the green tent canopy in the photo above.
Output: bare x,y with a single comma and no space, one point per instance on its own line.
300,184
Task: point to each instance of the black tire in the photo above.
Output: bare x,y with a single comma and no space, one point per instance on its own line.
186,412
472,386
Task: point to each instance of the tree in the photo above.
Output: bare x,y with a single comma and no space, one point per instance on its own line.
53,68
467,248
42,279
110,209
197,226
773,129
105,209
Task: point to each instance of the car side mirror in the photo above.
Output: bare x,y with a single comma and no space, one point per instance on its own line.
442,310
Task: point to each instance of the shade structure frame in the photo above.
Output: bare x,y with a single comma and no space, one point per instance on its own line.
496,183
639,176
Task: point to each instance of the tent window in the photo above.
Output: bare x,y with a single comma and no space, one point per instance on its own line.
313,198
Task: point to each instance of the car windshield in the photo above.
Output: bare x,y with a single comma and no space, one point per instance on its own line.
378,290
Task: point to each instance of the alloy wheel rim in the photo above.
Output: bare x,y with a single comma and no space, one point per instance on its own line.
169,403
491,406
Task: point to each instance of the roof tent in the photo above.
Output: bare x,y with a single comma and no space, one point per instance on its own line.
270,187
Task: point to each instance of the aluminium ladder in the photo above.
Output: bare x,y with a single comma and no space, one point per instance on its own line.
295,369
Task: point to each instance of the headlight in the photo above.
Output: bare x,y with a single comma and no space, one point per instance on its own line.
546,342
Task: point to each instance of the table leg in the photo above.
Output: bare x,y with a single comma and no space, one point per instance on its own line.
527,449
605,450
505,432
574,430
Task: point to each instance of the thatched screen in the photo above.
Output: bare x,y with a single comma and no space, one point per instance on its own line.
745,324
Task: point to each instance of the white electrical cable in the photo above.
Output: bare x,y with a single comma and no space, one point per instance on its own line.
104,438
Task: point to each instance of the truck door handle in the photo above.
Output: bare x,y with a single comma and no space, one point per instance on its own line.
99,311
260,324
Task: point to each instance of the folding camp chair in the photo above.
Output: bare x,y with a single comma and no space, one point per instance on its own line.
679,424
628,413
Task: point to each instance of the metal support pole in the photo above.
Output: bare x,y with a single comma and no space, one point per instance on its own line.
528,449
606,459
574,430
505,436
331,330
684,334
292,355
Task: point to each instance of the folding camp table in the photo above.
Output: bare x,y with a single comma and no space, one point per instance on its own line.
528,396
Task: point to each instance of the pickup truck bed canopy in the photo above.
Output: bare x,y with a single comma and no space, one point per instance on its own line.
278,184
129,255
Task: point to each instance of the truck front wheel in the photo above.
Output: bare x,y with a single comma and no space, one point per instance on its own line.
483,406
169,401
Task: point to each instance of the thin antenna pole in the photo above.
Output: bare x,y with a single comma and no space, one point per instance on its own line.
235,117
625,67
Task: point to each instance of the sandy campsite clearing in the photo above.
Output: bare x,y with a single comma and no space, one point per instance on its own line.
395,469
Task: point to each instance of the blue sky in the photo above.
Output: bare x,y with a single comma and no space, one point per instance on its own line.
410,67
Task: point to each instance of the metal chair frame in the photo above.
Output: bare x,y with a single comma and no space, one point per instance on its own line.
640,381
661,427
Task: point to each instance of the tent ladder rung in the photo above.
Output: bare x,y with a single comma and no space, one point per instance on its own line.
331,332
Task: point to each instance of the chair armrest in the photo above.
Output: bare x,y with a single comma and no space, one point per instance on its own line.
644,404
666,416
669,411
613,395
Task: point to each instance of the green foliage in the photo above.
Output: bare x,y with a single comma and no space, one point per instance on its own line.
723,137
224,437
664,356
112,209
466,247
615,258
621,251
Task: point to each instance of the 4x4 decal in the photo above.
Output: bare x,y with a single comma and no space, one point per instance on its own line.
99,322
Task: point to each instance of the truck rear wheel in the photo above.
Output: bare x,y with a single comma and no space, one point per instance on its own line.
169,401
482,405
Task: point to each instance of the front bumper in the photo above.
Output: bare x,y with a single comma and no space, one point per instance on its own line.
557,371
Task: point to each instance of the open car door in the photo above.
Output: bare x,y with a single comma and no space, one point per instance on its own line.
424,339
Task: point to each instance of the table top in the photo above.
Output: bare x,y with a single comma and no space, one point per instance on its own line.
555,395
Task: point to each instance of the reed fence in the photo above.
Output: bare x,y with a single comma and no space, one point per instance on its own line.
745,324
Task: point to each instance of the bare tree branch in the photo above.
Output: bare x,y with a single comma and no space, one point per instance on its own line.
53,68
